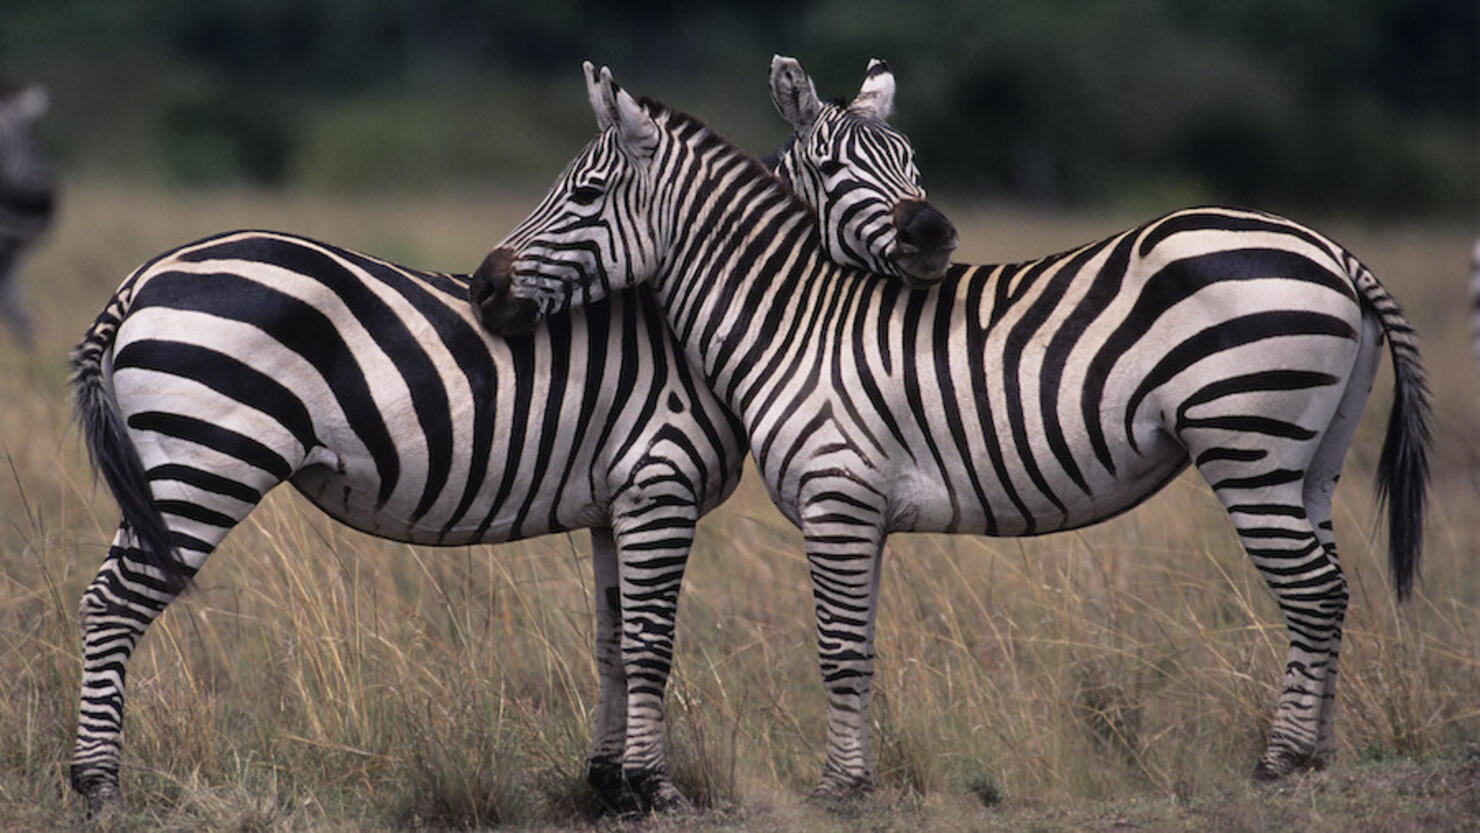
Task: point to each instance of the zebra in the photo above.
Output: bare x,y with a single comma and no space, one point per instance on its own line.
1475,303
27,194
1003,400
624,441
227,366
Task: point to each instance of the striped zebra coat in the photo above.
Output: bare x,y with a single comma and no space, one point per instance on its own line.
225,367
1002,400
27,195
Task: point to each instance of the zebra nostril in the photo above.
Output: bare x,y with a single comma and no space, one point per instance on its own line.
920,227
494,305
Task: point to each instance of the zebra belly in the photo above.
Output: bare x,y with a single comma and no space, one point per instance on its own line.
351,498
1021,507
1138,478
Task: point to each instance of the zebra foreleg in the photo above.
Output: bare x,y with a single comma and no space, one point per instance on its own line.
116,609
652,540
843,555
609,734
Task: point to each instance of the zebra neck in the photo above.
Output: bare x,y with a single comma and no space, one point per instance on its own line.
744,252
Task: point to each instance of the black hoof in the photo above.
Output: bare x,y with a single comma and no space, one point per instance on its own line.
99,789
841,789
605,776
657,792
1266,771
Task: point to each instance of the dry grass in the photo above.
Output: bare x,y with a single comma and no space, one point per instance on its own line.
1116,678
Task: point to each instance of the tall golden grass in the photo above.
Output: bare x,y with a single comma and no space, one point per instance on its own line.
320,679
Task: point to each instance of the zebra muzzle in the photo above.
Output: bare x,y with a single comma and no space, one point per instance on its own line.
924,239
494,304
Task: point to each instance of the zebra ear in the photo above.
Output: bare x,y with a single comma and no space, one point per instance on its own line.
793,93
876,96
606,115
638,132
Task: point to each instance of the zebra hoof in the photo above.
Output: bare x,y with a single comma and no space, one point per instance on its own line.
103,801
99,788
1266,773
605,776
837,788
657,792
1276,767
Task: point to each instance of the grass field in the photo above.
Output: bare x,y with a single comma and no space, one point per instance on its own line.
1117,678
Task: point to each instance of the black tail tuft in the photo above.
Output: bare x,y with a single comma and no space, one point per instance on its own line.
113,454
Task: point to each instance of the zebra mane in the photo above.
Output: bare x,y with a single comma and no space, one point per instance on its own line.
687,124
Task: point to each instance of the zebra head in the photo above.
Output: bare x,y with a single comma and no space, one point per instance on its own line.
24,167
859,176
590,219
22,105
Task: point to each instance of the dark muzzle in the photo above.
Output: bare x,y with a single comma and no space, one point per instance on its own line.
925,240
494,306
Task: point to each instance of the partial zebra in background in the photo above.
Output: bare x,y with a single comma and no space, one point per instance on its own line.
1475,305
251,358
27,195
1003,400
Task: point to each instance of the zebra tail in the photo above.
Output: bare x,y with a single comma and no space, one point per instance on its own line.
1403,469
112,452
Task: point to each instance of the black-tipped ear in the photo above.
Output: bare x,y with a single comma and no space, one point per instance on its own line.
793,93
876,94
638,132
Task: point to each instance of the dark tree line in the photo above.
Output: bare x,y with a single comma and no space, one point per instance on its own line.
1366,107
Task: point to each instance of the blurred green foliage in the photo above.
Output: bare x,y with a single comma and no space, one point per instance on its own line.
1364,107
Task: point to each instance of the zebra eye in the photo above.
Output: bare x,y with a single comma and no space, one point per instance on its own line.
830,167
585,194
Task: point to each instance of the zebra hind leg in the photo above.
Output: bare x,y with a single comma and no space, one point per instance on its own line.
1263,489
1308,583
125,597
1270,443
1321,476
116,609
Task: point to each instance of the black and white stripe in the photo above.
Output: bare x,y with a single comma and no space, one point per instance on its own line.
26,194
1004,400
227,366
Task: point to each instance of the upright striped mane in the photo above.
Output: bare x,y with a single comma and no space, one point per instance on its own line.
706,138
